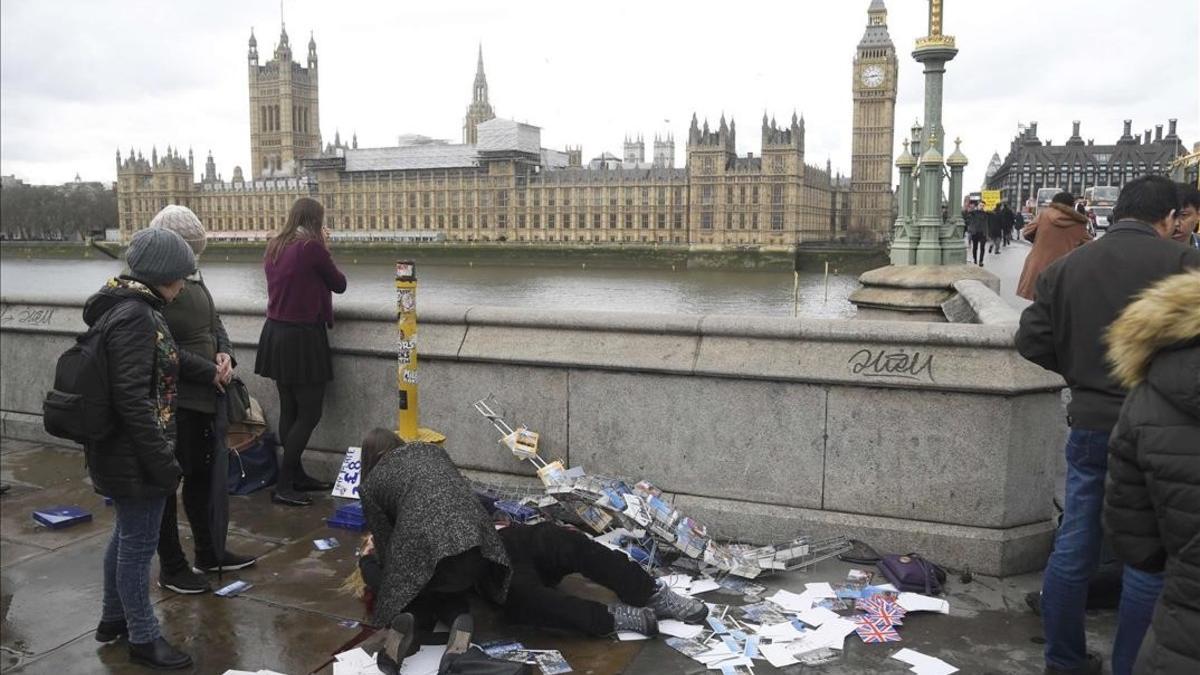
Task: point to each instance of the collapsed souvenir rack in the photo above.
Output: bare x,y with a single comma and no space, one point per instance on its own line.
638,519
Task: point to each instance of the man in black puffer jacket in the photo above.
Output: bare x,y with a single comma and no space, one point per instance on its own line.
1152,502
136,466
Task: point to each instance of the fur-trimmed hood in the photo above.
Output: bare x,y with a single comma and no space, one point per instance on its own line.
1164,315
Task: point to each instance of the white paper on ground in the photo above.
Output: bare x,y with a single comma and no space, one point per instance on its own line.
817,616
731,663
832,634
793,602
923,664
718,653
424,662
679,629
676,582
780,632
778,654
702,586
239,672
628,635
915,602
820,589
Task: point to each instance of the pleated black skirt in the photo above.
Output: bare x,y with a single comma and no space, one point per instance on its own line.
294,353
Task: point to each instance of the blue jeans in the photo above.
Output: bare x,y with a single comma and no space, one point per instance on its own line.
127,566
1075,558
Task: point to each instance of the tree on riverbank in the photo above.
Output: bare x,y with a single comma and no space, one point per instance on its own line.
66,211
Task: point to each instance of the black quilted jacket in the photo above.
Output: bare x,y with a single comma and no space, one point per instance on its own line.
143,372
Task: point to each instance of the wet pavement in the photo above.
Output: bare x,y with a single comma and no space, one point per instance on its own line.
295,617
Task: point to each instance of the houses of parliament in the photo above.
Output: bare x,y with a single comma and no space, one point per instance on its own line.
500,184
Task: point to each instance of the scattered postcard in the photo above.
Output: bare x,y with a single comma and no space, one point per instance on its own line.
630,636
689,648
233,589
859,577
679,629
816,616
915,602
820,589
743,586
924,664
326,544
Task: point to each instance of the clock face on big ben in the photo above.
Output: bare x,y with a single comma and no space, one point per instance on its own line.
872,76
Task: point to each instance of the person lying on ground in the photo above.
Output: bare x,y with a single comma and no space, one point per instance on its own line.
542,555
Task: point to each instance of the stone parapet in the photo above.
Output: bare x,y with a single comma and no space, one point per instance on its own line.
926,436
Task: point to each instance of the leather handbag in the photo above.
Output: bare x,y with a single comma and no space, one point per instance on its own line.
910,573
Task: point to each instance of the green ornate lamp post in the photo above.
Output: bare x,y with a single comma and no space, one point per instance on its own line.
904,240
938,244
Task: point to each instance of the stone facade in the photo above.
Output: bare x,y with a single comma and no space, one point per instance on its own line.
285,119
465,192
1076,165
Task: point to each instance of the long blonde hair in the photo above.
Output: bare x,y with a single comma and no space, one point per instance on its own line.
304,221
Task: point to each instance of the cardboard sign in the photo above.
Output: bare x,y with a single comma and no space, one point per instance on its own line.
348,477
990,199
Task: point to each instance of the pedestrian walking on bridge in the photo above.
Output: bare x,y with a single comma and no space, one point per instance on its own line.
1057,230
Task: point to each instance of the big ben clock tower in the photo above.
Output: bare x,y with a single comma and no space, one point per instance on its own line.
874,121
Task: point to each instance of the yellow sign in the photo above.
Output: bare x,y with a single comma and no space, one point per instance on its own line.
990,199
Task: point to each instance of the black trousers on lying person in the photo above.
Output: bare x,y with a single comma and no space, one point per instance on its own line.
545,553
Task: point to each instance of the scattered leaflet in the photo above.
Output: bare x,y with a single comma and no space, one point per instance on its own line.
923,664
915,602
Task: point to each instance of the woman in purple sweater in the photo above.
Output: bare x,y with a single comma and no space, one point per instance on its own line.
294,349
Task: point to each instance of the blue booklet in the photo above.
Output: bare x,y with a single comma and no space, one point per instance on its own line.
58,517
348,517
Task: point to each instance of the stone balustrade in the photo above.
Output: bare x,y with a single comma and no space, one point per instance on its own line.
913,436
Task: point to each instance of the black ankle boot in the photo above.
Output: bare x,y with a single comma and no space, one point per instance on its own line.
159,655
397,645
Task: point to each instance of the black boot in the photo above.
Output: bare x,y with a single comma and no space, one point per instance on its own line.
159,655
306,483
284,492
459,641
396,646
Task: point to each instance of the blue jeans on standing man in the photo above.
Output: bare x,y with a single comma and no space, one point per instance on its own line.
127,566
1075,558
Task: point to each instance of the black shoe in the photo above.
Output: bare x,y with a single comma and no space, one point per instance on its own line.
1034,600
459,641
1092,666
159,655
310,484
111,631
186,581
396,646
290,498
231,561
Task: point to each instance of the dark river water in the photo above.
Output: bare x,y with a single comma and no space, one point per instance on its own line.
684,292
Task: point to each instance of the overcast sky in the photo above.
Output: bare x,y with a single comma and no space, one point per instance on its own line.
80,78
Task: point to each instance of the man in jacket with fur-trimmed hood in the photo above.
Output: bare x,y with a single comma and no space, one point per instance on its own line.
1152,502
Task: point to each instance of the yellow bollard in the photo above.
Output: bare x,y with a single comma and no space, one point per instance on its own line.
406,373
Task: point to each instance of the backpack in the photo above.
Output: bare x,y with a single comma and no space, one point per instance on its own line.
78,407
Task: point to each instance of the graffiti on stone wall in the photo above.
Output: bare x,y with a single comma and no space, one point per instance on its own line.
892,362
28,316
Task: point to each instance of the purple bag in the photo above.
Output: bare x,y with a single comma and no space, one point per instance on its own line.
913,574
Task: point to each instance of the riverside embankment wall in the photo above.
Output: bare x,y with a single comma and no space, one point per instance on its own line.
930,437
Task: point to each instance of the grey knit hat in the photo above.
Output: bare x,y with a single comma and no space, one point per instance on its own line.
158,256
182,221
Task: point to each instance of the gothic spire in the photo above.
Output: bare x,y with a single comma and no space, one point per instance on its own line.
480,88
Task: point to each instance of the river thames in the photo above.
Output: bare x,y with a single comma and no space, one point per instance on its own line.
661,291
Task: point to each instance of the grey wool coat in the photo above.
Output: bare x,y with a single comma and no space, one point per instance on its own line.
420,510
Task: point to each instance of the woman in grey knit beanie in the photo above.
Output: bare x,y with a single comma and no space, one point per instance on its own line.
200,445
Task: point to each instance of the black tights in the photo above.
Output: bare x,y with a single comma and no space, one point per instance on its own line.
299,411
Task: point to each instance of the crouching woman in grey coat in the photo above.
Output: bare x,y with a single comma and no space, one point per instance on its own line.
1152,501
433,539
